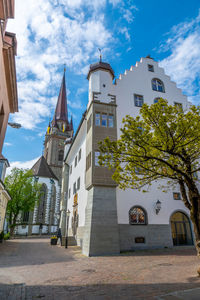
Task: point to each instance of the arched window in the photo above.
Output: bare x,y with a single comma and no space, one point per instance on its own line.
42,205
137,216
60,155
157,85
52,204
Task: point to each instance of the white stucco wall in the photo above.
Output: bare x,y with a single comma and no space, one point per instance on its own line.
78,171
137,80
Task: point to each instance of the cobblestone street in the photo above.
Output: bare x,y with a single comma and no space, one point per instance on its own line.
33,269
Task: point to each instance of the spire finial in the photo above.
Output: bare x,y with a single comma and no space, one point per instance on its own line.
64,68
100,55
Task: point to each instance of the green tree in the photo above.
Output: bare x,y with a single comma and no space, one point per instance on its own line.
24,192
163,143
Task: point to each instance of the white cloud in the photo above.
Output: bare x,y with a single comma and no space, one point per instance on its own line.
7,144
21,165
183,63
47,37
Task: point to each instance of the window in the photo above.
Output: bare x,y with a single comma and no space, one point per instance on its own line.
110,121
74,188
137,215
177,196
75,163
156,100
79,155
60,155
138,100
88,161
69,194
25,217
97,153
78,183
97,119
89,123
157,85
151,68
104,120
70,169
179,106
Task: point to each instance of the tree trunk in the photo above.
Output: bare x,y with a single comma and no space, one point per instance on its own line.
194,198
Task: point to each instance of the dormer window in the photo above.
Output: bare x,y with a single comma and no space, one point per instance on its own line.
157,85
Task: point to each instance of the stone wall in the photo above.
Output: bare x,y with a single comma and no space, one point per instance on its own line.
155,236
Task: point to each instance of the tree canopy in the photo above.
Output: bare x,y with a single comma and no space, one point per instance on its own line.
24,192
161,144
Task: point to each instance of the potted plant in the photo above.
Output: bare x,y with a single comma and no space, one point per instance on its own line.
54,240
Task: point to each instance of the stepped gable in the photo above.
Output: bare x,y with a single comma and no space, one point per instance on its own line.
42,169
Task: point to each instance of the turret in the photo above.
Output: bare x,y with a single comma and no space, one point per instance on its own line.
100,78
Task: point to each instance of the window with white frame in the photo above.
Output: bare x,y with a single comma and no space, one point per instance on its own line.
179,105
97,119
138,100
96,159
157,85
104,120
110,121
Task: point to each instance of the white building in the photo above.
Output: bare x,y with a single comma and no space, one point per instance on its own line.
104,219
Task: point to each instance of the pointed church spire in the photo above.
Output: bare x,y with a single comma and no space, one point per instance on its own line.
61,107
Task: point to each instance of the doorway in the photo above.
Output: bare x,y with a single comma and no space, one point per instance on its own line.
181,229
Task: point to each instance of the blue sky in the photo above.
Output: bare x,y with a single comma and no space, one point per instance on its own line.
52,33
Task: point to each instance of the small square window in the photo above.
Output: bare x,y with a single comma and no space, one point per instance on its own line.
97,119
151,68
110,121
138,100
177,196
179,105
104,120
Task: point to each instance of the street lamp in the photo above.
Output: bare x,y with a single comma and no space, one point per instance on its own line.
66,238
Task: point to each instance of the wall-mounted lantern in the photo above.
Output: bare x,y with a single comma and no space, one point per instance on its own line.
158,206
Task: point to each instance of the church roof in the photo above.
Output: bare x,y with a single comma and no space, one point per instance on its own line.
100,66
42,169
61,107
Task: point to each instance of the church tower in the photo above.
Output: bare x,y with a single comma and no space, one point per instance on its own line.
58,130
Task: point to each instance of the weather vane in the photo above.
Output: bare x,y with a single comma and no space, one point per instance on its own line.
100,55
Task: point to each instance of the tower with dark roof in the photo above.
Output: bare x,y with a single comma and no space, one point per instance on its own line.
58,130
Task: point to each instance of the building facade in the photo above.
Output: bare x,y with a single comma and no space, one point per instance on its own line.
48,172
104,219
8,91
